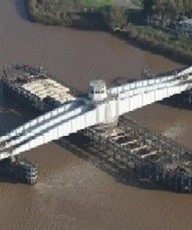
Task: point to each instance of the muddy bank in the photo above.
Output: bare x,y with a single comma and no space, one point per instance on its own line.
149,44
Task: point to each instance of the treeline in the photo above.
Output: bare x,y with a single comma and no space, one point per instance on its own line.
76,13
52,12
167,8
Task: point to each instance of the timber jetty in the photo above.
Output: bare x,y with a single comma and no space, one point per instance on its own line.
126,142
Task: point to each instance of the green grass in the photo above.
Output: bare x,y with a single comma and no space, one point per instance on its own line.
163,38
136,2
154,33
96,3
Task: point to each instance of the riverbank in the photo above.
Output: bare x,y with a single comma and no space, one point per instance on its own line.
158,42
178,48
84,14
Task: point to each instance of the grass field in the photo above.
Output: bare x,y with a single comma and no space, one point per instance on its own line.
97,2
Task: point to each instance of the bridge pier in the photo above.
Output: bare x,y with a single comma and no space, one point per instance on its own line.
163,168
19,169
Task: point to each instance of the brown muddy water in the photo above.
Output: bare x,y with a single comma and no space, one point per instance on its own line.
72,193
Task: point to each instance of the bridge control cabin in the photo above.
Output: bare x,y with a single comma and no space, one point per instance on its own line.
97,90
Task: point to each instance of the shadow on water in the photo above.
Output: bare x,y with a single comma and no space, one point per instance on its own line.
81,147
7,179
117,81
12,112
21,9
178,101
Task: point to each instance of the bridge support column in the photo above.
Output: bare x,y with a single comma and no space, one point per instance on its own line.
13,159
190,97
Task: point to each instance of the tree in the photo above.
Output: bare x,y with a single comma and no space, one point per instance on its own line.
167,8
118,17
147,7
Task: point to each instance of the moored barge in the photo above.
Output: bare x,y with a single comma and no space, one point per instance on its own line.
38,90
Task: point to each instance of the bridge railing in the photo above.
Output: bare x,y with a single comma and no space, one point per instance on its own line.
139,84
37,121
137,101
148,82
59,123
153,87
42,127
98,115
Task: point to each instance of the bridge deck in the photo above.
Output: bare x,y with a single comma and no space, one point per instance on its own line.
80,113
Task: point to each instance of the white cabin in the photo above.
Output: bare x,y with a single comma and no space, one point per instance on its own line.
97,90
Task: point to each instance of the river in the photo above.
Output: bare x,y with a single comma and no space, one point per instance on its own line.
72,193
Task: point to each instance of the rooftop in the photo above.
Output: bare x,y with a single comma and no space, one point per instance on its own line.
97,83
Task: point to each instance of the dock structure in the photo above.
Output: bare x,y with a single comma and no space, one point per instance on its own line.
101,116
150,154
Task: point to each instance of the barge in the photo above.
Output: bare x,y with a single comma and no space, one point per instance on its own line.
36,89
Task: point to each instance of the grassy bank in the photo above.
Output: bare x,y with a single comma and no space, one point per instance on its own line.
96,3
178,48
84,14
72,13
105,15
